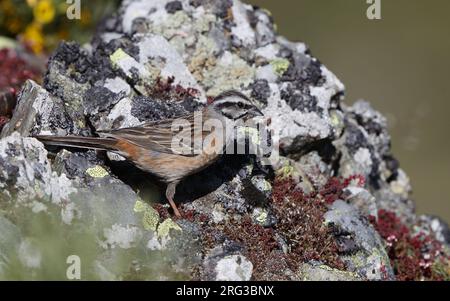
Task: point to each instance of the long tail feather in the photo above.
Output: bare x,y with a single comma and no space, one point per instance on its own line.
80,142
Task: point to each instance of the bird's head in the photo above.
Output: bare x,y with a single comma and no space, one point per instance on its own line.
235,105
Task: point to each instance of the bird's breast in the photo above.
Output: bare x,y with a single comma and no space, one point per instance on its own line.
172,167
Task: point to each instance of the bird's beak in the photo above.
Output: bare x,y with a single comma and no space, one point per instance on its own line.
255,112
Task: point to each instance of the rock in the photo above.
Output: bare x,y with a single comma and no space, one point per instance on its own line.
10,238
217,69
26,175
436,227
365,149
225,263
234,268
37,112
361,199
362,245
316,271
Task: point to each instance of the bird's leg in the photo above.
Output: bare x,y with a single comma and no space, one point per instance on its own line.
170,193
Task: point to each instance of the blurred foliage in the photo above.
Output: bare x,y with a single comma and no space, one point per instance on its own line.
41,24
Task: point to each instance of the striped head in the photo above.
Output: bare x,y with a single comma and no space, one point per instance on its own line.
235,105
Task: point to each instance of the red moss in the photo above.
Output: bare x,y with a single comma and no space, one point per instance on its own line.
13,73
299,228
299,235
260,243
188,214
333,190
300,222
413,257
162,210
165,88
192,215
359,179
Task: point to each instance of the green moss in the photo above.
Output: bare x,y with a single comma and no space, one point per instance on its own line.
280,66
97,172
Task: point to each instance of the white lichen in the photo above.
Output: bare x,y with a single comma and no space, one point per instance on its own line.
234,268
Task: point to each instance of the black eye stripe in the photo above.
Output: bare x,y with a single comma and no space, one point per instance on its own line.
234,104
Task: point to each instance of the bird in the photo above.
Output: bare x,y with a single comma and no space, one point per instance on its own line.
150,146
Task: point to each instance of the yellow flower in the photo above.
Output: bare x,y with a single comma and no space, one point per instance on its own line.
44,11
33,37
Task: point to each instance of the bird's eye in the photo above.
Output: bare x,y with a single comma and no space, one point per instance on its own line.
240,105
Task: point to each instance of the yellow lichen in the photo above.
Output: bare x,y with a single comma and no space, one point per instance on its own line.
262,218
150,217
280,66
97,172
166,226
118,55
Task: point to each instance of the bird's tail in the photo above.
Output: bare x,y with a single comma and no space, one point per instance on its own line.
80,142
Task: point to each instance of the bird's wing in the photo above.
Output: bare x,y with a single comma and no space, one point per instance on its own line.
172,136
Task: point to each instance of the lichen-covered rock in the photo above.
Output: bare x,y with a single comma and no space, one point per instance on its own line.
85,207
37,112
335,206
361,246
315,271
206,50
227,264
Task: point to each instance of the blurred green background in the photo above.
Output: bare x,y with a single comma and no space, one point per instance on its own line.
400,64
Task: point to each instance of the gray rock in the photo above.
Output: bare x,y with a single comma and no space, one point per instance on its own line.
38,112
234,268
225,263
363,248
316,271
436,227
